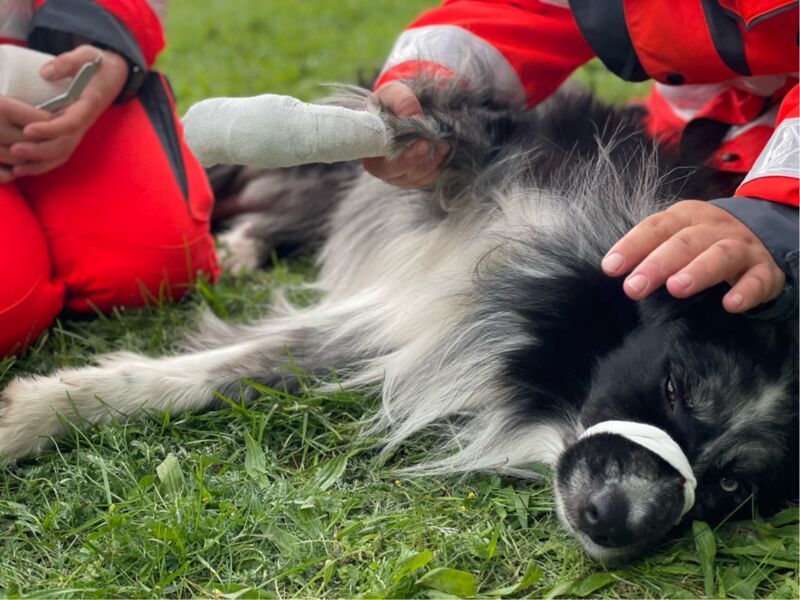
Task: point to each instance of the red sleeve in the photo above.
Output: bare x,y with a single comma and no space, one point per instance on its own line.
128,18
142,22
774,175
523,49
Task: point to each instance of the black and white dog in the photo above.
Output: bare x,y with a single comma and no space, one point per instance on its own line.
479,310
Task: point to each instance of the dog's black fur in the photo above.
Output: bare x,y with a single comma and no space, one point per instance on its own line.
480,306
606,356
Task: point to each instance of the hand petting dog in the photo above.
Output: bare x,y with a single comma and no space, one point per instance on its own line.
691,246
38,141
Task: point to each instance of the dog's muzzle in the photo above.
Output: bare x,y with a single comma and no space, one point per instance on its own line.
660,443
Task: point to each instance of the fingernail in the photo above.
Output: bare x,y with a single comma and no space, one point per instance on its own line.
48,71
421,149
637,283
613,262
736,300
683,280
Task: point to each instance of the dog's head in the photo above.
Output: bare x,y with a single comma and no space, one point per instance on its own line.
723,387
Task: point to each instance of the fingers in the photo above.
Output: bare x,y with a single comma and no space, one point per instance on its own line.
49,144
722,261
416,180
758,285
401,166
72,121
41,151
398,98
640,241
37,168
9,134
415,167
693,246
19,114
6,158
68,63
14,115
420,163
5,174
697,252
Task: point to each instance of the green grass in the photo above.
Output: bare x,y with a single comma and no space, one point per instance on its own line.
276,498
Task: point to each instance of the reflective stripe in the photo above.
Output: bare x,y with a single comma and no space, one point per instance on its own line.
687,100
462,52
14,18
559,3
765,120
781,156
760,85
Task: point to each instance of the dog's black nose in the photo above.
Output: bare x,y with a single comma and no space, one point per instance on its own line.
604,517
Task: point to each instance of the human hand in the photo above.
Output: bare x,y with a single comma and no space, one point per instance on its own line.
417,166
694,245
14,117
51,140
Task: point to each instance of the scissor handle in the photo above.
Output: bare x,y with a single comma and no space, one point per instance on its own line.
75,88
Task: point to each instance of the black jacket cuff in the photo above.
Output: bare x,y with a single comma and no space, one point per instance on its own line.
54,25
778,228
603,26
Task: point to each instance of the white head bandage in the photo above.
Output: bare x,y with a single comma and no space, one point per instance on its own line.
659,443
273,131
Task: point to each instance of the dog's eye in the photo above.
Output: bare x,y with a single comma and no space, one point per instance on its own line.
728,485
672,393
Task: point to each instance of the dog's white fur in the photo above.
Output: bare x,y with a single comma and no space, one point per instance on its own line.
409,305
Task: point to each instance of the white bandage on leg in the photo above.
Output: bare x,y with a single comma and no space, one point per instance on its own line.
19,75
272,131
659,443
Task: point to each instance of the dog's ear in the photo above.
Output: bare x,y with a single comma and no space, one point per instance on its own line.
704,315
661,307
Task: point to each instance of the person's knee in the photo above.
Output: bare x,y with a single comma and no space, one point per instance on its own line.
29,297
27,308
137,276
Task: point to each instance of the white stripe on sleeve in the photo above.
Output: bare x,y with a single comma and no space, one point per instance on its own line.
781,156
463,53
765,120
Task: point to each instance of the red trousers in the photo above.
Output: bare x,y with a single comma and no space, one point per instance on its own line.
124,221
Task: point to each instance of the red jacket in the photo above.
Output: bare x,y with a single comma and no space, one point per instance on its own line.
730,63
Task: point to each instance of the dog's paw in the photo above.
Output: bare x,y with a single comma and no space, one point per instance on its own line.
238,250
27,417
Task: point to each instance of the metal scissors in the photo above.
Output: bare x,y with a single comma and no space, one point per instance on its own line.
75,88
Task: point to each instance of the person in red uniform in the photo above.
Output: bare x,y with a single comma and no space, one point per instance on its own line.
101,204
725,72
